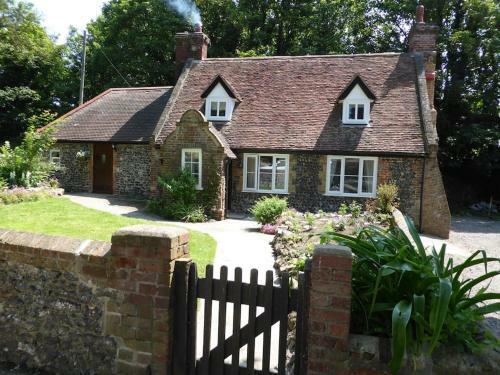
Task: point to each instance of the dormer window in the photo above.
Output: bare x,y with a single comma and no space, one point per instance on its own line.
218,109
356,100
220,100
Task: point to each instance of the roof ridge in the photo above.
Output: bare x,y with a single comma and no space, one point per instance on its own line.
260,58
139,88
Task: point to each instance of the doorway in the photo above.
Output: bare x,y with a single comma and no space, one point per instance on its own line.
103,168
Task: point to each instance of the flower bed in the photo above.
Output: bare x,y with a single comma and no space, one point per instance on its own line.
19,194
297,233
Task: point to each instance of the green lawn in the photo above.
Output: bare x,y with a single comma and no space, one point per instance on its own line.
60,216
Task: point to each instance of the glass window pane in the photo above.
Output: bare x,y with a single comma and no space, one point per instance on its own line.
213,109
195,168
265,172
279,184
352,111
350,184
351,167
251,172
187,157
367,186
334,183
368,168
222,109
250,180
361,111
335,166
195,157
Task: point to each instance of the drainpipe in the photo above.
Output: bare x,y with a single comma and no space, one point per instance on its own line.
422,196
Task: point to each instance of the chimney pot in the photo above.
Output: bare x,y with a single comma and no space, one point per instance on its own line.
420,14
198,28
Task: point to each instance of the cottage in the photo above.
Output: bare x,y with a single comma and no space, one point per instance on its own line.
317,129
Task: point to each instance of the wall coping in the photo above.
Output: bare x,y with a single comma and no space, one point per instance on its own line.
333,250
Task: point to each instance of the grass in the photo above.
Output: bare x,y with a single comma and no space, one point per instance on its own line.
60,216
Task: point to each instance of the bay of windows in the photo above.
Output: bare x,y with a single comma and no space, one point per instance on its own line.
266,173
351,176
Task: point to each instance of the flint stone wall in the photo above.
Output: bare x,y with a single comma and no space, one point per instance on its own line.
69,306
133,170
307,178
75,174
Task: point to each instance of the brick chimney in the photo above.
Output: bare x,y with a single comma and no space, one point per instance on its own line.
422,36
422,39
190,45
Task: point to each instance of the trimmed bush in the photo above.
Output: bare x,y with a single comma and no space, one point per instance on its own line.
267,210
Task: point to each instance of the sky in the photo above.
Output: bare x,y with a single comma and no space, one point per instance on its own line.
58,15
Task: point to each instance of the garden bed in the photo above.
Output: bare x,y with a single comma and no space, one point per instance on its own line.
298,233
20,194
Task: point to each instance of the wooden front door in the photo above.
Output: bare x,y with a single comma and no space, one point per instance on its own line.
103,168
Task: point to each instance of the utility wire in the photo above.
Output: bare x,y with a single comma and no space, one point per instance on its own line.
113,65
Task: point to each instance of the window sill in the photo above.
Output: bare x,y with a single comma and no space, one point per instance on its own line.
356,124
265,191
330,194
219,119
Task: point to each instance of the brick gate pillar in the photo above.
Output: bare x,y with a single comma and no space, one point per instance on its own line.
329,310
141,266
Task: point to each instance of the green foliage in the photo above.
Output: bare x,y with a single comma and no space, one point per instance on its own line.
343,209
267,210
26,165
3,183
20,196
179,200
418,296
32,70
387,195
354,208
310,218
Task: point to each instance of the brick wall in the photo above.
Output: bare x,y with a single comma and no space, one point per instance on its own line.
109,301
193,131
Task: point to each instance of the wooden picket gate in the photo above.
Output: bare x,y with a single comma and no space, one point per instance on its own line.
277,303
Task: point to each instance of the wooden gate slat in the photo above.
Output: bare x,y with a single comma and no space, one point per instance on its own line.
191,318
217,365
268,318
283,304
235,349
207,322
252,311
180,313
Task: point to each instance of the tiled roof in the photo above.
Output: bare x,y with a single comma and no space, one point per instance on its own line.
291,103
127,115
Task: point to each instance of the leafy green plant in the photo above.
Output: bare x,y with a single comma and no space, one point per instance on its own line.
387,198
27,165
179,198
267,210
3,183
343,209
355,209
416,295
310,218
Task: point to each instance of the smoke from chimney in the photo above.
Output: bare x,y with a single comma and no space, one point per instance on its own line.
187,9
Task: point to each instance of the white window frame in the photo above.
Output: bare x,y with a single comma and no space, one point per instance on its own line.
219,100
257,174
356,97
55,159
199,186
341,193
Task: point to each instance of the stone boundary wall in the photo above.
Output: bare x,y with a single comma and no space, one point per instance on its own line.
71,306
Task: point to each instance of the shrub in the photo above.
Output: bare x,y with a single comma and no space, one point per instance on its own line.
310,219
387,196
179,200
422,296
343,209
268,209
19,195
3,184
27,165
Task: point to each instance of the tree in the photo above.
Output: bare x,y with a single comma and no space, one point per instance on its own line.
31,69
131,43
